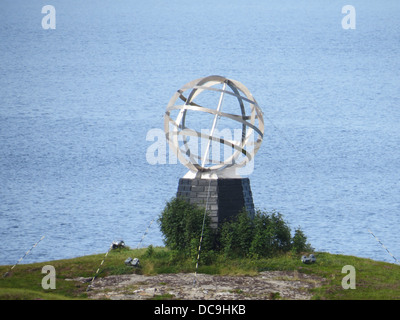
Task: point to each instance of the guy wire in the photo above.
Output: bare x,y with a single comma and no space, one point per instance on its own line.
384,247
4,275
202,232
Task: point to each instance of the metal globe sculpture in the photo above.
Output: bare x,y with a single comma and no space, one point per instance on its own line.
209,114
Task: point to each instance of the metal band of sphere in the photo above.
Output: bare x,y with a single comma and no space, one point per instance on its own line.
175,128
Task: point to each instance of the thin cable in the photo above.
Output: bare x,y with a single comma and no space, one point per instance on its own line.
109,249
145,233
4,275
98,269
202,232
215,123
384,247
282,134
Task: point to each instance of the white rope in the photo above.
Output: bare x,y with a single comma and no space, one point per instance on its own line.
4,275
205,212
98,269
384,247
109,249
145,233
202,232
208,195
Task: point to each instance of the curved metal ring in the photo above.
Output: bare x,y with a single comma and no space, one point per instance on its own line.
175,128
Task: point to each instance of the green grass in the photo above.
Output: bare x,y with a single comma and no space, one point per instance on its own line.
374,280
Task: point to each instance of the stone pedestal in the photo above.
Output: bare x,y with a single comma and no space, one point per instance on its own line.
223,198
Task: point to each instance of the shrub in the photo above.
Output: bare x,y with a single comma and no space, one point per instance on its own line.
235,236
181,224
264,235
262,241
299,242
281,240
149,251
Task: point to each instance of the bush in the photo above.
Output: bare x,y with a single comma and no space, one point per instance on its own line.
181,224
263,239
264,235
235,236
299,242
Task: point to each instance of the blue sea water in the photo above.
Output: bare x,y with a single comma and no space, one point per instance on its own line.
77,102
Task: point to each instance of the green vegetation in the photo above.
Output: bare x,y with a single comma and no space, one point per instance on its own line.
374,280
264,235
242,246
181,224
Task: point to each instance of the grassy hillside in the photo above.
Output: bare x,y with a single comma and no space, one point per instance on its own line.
374,280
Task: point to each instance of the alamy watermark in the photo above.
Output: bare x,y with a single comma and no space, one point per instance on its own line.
49,20
158,153
349,20
349,281
49,280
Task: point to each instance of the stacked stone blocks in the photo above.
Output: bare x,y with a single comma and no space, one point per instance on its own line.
223,198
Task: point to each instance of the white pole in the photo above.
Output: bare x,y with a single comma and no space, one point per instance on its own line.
214,124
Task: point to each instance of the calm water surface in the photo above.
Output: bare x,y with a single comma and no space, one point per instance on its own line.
77,102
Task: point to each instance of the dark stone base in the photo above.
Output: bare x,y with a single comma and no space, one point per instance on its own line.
223,198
